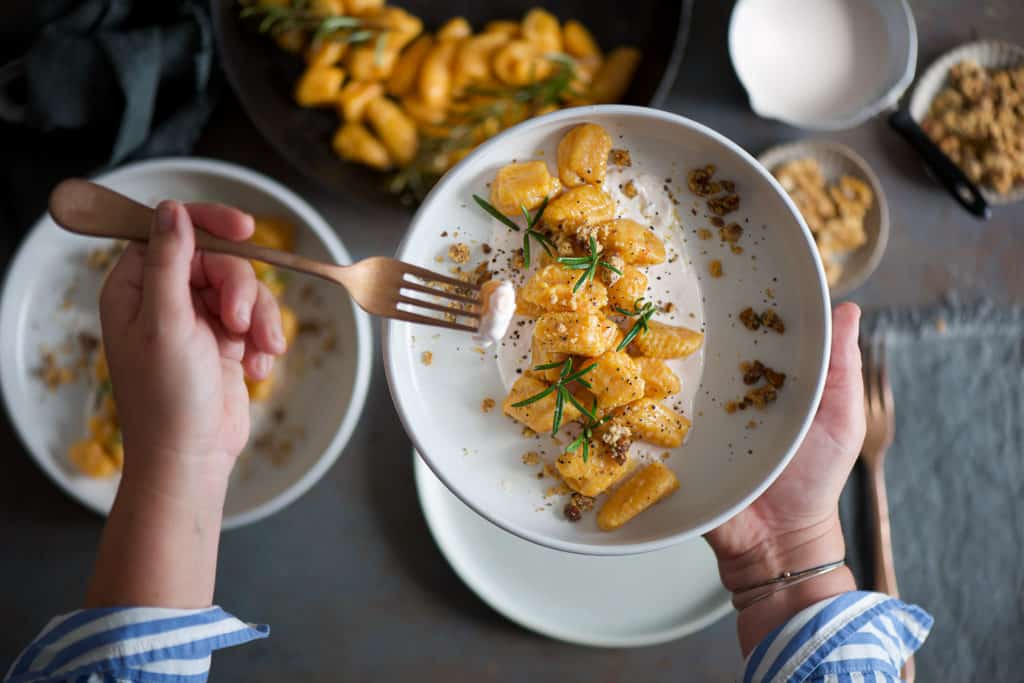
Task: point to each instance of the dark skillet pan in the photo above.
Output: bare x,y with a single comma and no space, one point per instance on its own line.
263,76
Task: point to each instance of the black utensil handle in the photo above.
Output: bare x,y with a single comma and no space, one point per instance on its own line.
948,173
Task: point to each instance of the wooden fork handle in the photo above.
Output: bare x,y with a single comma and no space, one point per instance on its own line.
885,569
86,208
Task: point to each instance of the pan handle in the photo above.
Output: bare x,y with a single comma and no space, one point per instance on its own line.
948,173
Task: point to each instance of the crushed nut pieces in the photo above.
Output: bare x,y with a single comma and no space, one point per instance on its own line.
769,319
759,397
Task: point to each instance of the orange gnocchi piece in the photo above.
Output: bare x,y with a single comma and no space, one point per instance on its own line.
551,289
539,415
659,380
636,244
652,484
523,184
579,206
583,155
667,341
652,421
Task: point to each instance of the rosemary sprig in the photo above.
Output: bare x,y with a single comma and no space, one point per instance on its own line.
463,130
588,264
587,435
299,16
565,376
643,312
531,225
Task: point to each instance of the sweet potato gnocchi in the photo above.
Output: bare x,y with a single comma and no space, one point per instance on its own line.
597,359
448,91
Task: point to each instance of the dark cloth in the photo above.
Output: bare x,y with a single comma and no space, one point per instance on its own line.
955,475
101,82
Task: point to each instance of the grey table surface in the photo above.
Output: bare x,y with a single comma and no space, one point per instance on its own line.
348,577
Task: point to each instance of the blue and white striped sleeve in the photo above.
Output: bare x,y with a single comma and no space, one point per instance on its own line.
856,636
133,644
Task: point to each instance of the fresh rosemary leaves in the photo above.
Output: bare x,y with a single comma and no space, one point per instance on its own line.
561,391
587,434
531,225
588,264
298,15
642,311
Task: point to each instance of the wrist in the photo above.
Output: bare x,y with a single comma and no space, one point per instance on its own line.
194,482
792,551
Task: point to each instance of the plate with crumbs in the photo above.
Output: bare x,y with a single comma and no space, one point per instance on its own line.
730,274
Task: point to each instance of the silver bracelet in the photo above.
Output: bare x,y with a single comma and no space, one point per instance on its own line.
746,597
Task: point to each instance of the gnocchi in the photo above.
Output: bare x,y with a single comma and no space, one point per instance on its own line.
457,87
650,485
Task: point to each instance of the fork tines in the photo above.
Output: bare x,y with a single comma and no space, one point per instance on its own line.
424,289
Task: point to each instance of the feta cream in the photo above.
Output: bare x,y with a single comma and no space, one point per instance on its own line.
498,305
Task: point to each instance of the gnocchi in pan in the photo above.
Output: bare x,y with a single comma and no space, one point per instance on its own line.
599,376
416,102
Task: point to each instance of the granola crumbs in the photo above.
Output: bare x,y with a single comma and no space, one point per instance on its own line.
486,248
724,205
427,358
761,396
770,318
752,424
750,320
629,189
752,372
458,252
487,405
715,268
531,458
700,181
717,222
518,261
730,233
704,234
576,506
621,157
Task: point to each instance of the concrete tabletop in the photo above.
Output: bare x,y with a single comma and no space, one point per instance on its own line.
348,577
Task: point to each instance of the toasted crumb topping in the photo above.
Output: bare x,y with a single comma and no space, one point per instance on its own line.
629,189
427,357
458,252
715,268
620,157
487,404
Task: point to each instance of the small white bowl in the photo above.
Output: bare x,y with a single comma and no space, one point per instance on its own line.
990,54
838,160
723,465
823,64
321,407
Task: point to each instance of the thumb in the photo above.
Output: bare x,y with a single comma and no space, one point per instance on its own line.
166,295
841,412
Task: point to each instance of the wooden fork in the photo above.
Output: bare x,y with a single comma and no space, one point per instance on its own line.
881,426
381,286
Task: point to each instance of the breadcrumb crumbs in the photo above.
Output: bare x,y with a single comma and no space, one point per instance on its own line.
621,157
715,268
459,253
704,234
629,189
487,404
531,458
427,358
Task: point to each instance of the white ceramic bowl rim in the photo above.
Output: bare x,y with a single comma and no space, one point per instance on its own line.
504,138
887,100
363,334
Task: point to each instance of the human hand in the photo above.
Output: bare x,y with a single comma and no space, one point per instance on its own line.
181,329
794,524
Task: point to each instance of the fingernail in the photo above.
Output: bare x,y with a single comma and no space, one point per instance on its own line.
242,314
165,217
277,338
265,363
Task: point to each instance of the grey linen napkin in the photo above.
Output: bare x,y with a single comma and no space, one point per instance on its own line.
87,84
955,477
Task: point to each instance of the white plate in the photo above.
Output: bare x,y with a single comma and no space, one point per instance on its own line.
50,296
723,466
672,592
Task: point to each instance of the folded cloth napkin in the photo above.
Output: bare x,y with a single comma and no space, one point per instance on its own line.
955,476
102,82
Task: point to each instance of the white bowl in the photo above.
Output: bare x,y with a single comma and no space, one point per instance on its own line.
991,54
823,64
50,269
723,466
837,160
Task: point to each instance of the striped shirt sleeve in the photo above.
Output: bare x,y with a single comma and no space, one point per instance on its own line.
856,636
134,644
